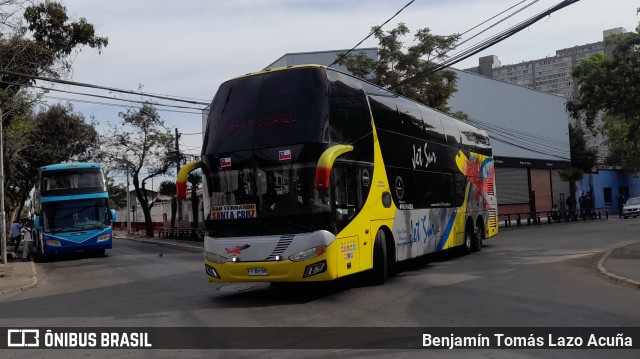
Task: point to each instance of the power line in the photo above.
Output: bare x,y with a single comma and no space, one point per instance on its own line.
81,84
493,17
371,33
487,43
104,97
497,23
115,104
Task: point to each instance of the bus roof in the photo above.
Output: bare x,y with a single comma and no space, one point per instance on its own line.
64,166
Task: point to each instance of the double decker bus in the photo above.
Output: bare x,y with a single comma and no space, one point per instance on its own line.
374,179
72,209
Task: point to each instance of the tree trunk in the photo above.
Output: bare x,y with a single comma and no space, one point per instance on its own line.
144,205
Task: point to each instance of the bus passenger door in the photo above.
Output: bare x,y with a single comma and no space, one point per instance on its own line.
348,200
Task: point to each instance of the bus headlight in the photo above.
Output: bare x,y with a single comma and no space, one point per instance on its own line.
104,237
308,253
215,258
53,242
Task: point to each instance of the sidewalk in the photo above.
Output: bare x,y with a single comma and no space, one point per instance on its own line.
621,265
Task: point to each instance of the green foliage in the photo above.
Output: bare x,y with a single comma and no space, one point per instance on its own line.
168,188
395,65
43,45
39,43
34,140
610,87
50,26
623,148
117,194
581,157
195,180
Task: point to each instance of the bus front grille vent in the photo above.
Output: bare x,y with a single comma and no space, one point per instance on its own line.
283,243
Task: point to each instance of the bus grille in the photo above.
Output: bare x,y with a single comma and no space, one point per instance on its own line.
489,188
493,218
283,244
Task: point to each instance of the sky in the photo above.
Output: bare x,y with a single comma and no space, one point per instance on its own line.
188,48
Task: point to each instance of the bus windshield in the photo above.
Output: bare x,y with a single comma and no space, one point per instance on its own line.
75,215
72,181
264,136
267,191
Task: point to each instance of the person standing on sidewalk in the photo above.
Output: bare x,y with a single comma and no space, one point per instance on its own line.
16,235
27,243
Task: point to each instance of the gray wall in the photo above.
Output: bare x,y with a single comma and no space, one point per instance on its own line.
527,118
325,58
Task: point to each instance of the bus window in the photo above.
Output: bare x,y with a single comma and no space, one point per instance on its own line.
411,118
432,124
451,131
385,113
349,116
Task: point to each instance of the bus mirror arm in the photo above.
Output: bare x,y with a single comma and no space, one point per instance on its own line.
325,163
181,180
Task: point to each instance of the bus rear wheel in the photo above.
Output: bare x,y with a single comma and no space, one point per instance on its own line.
469,238
476,244
380,271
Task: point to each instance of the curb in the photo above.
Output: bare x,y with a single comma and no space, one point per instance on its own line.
34,282
614,277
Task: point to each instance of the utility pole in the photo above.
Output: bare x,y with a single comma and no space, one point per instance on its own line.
128,211
178,170
3,247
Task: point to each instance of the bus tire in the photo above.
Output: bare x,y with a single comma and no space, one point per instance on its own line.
476,244
99,253
469,238
380,271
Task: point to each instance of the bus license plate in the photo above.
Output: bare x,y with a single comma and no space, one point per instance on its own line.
257,271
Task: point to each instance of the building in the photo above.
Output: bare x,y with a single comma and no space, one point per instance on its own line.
160,212
551,75
528,129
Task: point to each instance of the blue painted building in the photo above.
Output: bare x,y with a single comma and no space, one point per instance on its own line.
606,186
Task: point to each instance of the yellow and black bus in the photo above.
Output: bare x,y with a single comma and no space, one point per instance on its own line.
313,174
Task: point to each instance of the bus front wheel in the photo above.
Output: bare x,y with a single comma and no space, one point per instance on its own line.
380,271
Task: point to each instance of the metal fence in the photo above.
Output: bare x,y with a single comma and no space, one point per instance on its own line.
550,217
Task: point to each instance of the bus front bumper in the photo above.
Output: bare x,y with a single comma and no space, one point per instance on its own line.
315,269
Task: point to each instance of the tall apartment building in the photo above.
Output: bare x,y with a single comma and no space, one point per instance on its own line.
551,75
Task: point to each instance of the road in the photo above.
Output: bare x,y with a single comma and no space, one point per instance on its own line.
537,277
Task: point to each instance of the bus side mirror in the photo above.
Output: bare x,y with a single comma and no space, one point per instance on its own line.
36,222
325,163
113,215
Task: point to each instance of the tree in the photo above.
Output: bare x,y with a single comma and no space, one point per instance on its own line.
117,194
394,66
40,42
140,145
34,140
609,88
195,180
41,46
582,159
168,188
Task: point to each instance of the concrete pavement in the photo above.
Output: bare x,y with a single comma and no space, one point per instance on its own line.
621,265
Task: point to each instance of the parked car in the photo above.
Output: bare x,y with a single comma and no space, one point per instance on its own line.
631,208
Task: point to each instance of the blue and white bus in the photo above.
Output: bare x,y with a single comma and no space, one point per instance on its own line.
72,209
